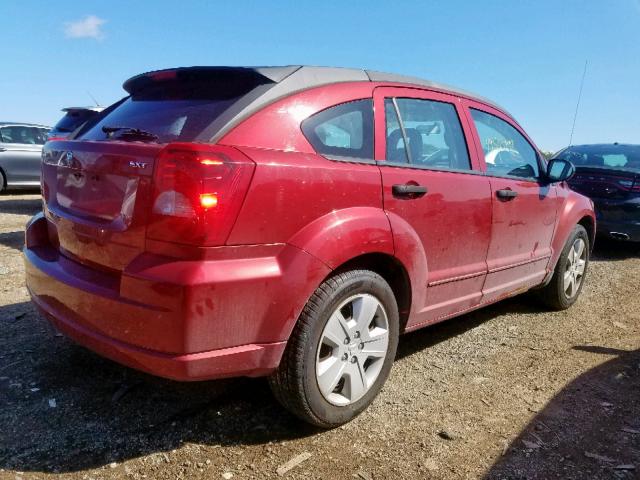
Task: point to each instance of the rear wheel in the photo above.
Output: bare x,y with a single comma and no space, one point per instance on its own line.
341,350
3,182
570,273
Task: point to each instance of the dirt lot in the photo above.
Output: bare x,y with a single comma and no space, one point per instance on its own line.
510,391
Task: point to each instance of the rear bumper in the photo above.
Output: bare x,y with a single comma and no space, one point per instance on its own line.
629,231
245,360
179,319
619,219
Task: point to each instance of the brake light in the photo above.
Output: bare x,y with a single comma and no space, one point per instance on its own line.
208,200
630,185
198,192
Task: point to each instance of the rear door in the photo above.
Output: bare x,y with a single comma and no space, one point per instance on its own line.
20,152
524,205
432,181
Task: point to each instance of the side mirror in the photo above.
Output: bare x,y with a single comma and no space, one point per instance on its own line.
559,170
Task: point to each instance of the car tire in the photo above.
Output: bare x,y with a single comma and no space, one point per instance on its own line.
318,356
3,181
570,273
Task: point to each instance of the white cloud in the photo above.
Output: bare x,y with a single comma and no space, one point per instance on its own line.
88,27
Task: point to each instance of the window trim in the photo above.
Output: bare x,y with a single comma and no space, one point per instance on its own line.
386,163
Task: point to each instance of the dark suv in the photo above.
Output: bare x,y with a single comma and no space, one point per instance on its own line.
292,222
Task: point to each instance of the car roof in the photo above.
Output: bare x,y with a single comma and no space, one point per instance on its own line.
599,145
280,82
93,108
22,124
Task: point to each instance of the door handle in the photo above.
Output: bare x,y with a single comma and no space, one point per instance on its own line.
506,194
408,190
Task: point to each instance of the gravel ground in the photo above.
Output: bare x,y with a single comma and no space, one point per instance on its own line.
511,391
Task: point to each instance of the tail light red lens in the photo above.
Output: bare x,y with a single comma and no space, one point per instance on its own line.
631,185
198,192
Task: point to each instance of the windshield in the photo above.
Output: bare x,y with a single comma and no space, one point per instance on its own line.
623,157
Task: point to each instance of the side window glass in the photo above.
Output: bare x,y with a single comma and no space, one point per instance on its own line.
396,151
7,134
433,134
24,135
40,135
506,151
345,130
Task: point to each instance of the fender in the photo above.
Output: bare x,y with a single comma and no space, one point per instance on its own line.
344,234
573,207
409,251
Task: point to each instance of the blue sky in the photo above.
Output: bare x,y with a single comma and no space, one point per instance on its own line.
526,55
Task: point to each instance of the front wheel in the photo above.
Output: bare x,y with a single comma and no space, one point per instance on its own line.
571,270
341,350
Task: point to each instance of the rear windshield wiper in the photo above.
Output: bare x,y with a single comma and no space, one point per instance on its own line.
129,132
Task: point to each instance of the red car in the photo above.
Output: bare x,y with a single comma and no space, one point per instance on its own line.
292,222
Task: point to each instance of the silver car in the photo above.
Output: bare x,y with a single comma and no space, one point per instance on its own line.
20,152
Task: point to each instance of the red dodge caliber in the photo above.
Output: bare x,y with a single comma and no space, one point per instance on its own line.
291,222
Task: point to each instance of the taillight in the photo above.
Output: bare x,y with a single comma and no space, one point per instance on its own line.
198,192
630,185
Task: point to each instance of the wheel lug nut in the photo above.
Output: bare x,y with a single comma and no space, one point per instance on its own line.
357,335
361,345
346,341
354,359
344,357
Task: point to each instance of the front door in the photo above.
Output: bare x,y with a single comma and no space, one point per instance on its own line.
524,205
432,182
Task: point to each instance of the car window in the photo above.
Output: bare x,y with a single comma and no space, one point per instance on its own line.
396,151
506,151
431,130
345,130
603,156
73,119
23,134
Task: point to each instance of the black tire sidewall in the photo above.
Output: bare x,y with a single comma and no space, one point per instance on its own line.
364,282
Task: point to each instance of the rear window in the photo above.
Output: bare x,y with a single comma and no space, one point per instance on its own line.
73,120
177,109
625,157
170,120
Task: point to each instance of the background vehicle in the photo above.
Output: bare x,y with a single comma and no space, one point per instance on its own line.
72,119
225,221
20,154
610,175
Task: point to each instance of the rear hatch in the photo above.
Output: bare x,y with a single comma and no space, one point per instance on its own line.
606,183
615,192
97,196
99,188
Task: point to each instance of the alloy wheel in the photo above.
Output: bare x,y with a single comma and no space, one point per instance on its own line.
352,349
576,264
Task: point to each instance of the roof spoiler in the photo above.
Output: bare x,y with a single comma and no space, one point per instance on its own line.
248,75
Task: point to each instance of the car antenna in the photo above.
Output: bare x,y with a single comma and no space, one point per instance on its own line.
575,115
93,98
